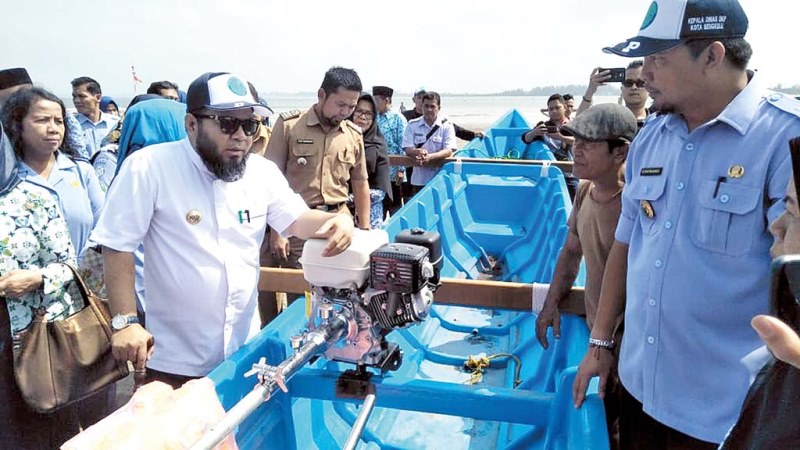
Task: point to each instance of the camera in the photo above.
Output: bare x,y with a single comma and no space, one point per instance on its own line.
552,129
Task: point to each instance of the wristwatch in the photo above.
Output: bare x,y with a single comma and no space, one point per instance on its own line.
121,321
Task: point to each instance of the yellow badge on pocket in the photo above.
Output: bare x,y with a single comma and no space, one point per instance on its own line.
736,171
647,209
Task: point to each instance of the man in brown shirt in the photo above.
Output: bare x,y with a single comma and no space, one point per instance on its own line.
602,136
321,153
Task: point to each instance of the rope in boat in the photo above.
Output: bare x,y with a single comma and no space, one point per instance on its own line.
477,364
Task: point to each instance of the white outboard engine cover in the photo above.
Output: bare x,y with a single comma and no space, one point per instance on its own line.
347,270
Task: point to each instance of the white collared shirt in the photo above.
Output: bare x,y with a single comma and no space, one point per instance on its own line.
200,278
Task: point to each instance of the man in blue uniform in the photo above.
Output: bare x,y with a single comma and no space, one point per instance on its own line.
705,178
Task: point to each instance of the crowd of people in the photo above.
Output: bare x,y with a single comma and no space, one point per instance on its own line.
170,206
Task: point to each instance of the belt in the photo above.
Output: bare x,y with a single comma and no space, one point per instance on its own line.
334,207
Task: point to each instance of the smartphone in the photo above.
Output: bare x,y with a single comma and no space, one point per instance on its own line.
617,75
552,129
786,290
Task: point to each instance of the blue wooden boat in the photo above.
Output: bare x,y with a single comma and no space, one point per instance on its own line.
501,221
503,139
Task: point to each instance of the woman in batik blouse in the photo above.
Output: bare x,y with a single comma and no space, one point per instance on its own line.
34,241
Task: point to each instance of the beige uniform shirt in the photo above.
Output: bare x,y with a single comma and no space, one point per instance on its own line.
318,165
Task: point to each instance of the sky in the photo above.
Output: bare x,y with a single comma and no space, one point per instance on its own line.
463,46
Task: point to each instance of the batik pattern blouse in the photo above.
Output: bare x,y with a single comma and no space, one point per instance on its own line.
34,236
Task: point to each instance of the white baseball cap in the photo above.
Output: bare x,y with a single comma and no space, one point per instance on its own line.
669,23
221,91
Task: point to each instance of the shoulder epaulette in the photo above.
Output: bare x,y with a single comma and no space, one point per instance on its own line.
288,115
784,102
353,126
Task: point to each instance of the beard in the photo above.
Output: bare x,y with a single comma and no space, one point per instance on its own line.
331,122
224,170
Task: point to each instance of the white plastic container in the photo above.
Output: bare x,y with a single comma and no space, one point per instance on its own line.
347,270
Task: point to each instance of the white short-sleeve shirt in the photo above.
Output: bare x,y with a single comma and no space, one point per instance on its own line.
202,237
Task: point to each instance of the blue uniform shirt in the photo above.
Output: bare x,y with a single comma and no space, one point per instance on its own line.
695,213
94,133
76,187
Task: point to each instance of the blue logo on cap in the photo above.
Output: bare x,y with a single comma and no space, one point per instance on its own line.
651,16
237,86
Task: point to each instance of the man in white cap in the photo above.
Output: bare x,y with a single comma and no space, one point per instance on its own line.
704,179
201,207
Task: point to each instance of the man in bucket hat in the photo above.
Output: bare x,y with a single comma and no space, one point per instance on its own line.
704,179
201,207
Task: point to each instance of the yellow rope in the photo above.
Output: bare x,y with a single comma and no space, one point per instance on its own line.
478,364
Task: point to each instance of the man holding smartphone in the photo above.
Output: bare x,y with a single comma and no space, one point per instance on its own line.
632,88
559,144
690,265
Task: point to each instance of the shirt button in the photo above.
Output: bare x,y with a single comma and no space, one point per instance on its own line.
651,340
680,186
658,263
690,146
652,302
668,225
724,198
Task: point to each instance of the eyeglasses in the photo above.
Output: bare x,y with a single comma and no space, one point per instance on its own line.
364,114
229,125
629,83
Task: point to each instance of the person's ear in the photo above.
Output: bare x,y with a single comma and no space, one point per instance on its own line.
714,54
321,95
191,123
621,153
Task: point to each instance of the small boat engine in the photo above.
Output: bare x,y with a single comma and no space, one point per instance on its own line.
376,286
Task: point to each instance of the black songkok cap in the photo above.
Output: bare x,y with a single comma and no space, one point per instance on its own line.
14,77
384,91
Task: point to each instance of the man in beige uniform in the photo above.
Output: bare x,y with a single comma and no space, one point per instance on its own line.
319,151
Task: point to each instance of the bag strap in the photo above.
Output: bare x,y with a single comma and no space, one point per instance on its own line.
433,130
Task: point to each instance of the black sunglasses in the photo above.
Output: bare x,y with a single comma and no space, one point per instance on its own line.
229,125
629,83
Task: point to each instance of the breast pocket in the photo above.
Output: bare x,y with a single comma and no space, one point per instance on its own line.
726,218
648,192
303,159
347,155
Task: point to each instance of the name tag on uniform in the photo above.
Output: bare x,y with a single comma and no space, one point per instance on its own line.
305,141
651,171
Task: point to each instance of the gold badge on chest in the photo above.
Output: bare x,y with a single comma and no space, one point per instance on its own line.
736,171
647,209
194,216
